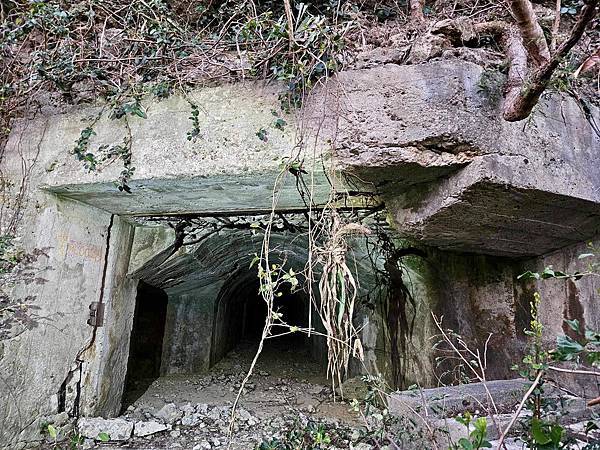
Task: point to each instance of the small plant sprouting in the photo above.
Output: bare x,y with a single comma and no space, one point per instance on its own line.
72,441
103,437
193,134
262,134
476,439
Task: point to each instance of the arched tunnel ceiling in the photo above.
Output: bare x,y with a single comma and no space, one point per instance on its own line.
227,256
221,255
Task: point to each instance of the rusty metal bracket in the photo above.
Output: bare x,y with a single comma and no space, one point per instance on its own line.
96,318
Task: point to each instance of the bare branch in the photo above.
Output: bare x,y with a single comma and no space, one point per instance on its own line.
520,408
416,11
555,26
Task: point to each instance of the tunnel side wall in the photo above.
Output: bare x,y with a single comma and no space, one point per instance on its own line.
189,330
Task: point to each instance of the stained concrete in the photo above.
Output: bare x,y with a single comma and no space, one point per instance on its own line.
453,175
37,363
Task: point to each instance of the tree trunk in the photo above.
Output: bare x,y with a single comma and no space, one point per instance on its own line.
518,107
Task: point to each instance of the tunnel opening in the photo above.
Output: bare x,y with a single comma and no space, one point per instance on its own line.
207,316
146,341
240,318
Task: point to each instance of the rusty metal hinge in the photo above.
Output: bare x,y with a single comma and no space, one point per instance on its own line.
96,314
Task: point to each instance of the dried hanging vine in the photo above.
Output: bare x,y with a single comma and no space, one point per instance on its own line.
337,297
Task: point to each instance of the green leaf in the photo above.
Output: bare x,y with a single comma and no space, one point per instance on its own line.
104,437
262,135
254,261
139,112
567,348
556,433
280,124
573,325
52,431
529,275
465,444
480,425
538,434
592,336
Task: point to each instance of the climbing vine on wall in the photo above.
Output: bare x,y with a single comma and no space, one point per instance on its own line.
123,52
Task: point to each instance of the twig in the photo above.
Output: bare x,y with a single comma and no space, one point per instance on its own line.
575,371
555,26
520,408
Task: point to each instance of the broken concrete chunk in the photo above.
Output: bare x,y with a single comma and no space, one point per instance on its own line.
451,400
148,428
191,420
169,413
116,429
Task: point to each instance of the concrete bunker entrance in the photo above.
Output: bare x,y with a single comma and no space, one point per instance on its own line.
200,307
179,308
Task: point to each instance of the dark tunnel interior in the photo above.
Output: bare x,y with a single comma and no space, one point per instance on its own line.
145,345
240,318
237,324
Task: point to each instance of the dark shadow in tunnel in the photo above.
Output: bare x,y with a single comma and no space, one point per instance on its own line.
240,318
145,345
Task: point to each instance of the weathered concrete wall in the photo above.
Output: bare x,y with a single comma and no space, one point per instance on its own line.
565,299
473,294
427,137
224,169
227,168
103,379
188,332
455,175
34,365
